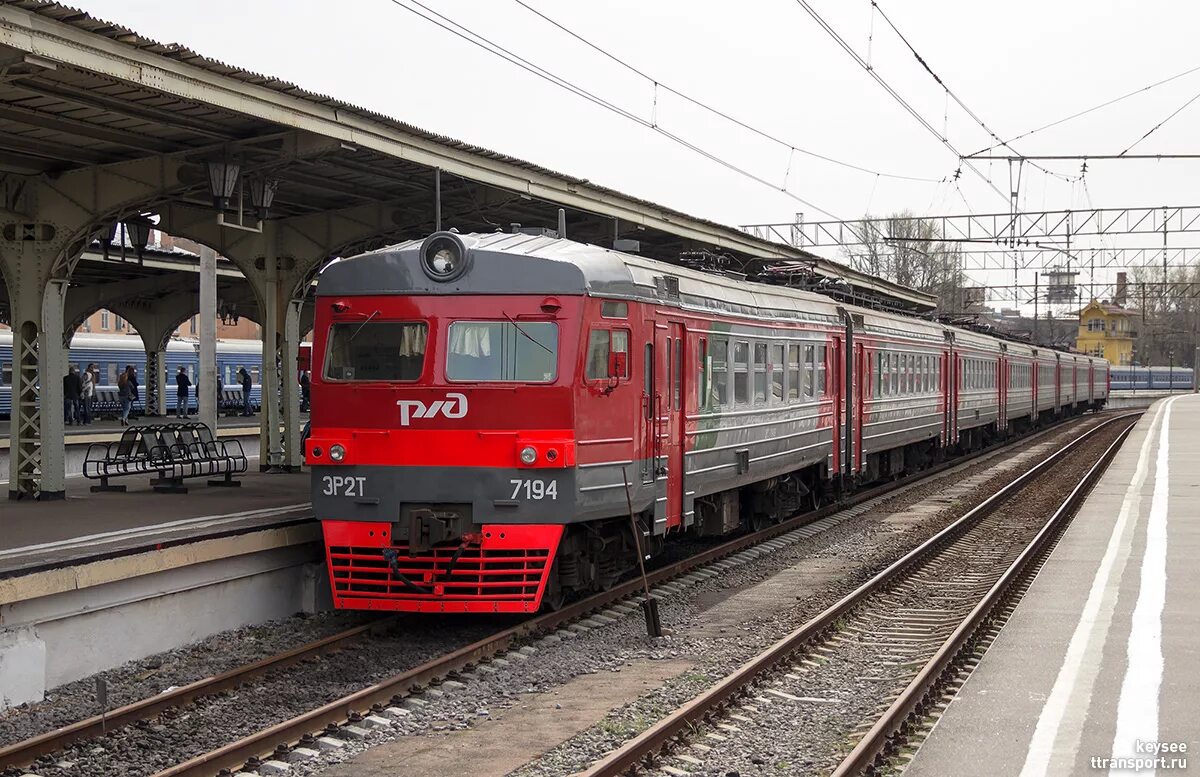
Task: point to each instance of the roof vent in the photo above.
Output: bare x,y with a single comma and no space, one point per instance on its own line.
535,231
667,286
627,246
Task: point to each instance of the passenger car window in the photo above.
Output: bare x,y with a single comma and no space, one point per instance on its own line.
809,371
793,387
820,371
760,373
720,372
777,372
741,377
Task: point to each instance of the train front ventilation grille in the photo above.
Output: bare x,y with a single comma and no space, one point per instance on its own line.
512,574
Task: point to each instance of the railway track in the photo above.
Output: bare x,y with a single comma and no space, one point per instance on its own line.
301,728
908,635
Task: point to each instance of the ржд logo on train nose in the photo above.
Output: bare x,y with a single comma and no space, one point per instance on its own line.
453,406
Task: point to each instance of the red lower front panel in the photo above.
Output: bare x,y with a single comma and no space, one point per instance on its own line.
506,572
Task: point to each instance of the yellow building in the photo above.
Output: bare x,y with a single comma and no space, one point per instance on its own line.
1107,330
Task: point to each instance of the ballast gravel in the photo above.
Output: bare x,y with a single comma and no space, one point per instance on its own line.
614,647
152,675
541,666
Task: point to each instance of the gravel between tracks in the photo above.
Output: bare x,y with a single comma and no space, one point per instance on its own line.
153,675
858,673
209,722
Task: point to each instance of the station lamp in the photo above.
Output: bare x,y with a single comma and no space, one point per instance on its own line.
262,194
138,228
222,179
108,237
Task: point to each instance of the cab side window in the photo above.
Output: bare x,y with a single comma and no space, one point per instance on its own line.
603,344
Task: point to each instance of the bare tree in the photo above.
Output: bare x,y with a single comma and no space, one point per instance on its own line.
911,251
1168,326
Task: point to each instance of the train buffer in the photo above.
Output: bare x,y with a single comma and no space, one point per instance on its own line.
170,453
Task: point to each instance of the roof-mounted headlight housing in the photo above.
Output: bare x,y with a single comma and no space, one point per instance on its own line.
444,256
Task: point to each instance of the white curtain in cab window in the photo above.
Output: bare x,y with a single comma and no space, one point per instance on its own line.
502,351
471,339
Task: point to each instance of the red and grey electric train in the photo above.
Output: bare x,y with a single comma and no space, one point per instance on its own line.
483,405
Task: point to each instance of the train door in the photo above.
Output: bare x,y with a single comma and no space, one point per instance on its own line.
669,343
1035,377
861,378
835,376
1003,370
950,394
650,388
1058,371
959,370
672,426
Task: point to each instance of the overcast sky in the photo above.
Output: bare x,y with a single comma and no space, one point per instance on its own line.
1018,65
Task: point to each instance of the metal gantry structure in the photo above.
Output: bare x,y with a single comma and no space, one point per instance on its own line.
1013,230
1045,243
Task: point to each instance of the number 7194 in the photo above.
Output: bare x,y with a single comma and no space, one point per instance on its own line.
534,489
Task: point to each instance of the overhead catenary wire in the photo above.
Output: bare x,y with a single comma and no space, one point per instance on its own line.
951,94
1155,128
715,111
1086,111
481,41
874,73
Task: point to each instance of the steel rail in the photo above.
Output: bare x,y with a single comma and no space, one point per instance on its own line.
691,714
874,747
24,753
235,754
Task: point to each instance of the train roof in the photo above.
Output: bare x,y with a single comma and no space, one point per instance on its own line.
507,263
518,263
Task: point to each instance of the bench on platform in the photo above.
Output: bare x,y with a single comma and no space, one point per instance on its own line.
107,402
171,452
230,401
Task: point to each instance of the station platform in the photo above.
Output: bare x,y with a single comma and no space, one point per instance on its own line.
109,430
1101,658
87,527
96,580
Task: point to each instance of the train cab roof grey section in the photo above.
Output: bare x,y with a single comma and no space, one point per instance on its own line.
507,263
501,263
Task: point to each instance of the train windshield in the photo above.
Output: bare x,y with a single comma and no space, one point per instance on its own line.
376,350
495,351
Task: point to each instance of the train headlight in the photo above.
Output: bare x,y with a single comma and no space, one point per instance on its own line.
528,454
444,256
337,452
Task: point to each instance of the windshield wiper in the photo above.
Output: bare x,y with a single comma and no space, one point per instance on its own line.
360,326
527,337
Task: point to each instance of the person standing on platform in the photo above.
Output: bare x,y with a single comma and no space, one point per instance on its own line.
305,392
72,393
89,393
244,379
125,393
182,384
133,389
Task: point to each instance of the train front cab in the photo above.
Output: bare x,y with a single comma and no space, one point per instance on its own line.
444,469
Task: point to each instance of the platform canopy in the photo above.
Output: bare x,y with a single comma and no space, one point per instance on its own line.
101,126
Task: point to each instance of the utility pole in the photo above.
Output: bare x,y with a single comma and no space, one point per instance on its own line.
1035,307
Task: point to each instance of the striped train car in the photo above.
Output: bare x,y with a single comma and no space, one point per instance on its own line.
487,408
111,353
